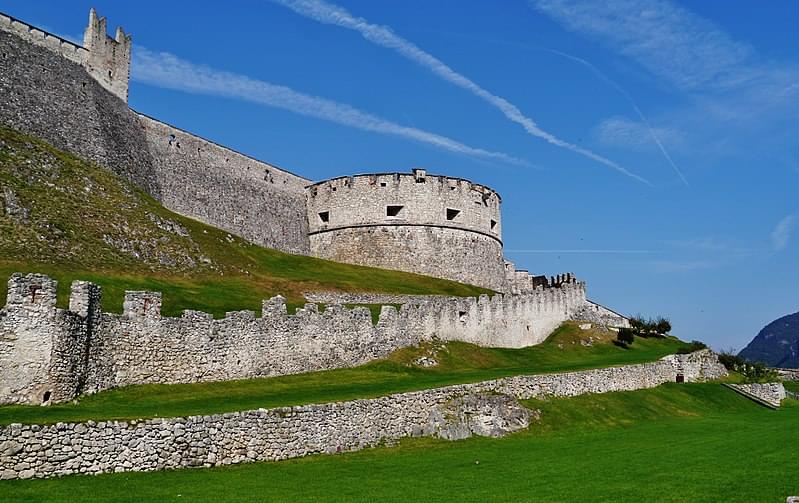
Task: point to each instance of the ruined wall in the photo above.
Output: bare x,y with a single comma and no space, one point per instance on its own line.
601,315
221,187
28,451
141,346
45,91
435,225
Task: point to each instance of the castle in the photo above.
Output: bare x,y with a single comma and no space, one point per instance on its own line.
75,97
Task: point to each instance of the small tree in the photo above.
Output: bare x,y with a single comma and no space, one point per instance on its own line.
663,326
626,336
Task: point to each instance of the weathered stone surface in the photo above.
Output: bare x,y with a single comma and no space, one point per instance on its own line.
485,415
483,408
772,393
50,355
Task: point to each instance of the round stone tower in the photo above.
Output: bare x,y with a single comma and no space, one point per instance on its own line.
428,224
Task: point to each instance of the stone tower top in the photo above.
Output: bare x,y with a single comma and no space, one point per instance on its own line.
109,58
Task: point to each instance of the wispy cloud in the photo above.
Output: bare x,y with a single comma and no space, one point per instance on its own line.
655,134
327,13
782,232
166,70
663,37
621,131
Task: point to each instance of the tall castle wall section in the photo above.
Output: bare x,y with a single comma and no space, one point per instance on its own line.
45,91
221,187
50,354
28,451
49,89
435,225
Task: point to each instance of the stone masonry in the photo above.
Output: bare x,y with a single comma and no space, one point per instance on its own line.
52,355
91,447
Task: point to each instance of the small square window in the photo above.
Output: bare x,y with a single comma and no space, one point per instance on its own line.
324,216
394,211
382,184
452,213
493,225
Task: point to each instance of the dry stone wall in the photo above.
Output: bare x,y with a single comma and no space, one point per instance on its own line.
50,354
91,447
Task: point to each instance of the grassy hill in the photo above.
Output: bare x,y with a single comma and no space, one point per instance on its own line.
459,362
71,219
668,444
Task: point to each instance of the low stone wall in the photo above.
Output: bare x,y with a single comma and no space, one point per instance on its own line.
28,451
52,355
788,374
772,393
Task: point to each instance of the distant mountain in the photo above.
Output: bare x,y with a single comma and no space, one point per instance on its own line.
777,344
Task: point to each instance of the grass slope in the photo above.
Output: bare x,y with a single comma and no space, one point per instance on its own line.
676,443
70,219
459,363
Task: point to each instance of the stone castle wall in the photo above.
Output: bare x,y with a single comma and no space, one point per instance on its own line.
49,89
221,187
28,451
50,354
45,92
428,224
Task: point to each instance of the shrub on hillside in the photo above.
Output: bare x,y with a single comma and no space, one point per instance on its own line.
752,372
657,327
691,347
625,337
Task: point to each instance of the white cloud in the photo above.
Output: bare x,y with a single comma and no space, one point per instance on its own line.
327,13
782,232
668,40
166,70
622,132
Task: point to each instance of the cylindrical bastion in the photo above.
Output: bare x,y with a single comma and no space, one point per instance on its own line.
428,224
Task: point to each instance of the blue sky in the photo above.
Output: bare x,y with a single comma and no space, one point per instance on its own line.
648,146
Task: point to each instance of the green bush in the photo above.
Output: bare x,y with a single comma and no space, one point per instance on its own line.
691,347
625,337
752,372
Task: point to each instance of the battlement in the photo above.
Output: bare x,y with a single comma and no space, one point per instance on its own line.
106,59
50,354
109,58
36,36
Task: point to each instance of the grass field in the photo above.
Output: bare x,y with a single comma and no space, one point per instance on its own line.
674,443
459,363
73,220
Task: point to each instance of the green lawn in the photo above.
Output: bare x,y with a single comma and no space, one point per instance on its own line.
75,220
675,443
459,363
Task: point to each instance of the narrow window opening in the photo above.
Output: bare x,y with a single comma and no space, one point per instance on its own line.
420,179
109,74
46,397
382,184
324,216
171,139
462,316
493,225
452,213
393,211
334,189
680,378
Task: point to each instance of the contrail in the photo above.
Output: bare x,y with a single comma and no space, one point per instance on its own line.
629,98
326,13
166,70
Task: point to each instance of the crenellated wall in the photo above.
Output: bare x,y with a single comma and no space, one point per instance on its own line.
50,354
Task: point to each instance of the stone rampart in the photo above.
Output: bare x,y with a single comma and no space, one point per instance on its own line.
91,447
602,316
50,354
428,224
221,187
